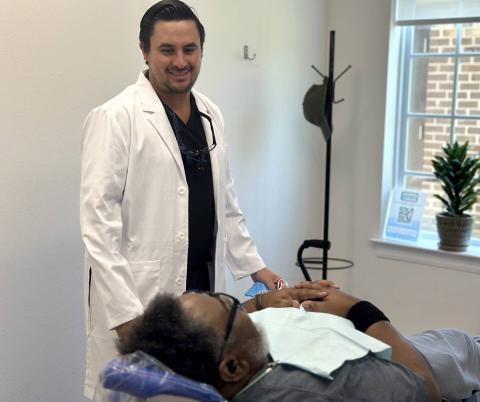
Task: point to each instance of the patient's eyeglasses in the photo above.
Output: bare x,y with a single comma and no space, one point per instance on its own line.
231,316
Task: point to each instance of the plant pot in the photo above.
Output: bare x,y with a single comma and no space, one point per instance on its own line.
454,232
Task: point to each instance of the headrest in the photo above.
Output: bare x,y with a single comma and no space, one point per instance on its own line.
143,376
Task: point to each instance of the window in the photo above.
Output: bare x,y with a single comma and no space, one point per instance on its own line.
439,102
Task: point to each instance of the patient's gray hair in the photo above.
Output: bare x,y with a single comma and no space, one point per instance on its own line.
255,347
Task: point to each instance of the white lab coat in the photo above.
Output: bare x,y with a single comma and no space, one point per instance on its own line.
134,214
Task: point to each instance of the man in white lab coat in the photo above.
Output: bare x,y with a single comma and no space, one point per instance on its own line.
157,207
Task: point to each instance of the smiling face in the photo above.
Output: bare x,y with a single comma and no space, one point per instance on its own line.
174,57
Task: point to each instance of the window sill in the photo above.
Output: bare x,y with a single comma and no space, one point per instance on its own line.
426,252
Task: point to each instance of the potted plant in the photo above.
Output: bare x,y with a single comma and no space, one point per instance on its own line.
457,173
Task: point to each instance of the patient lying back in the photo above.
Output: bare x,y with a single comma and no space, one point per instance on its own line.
212,339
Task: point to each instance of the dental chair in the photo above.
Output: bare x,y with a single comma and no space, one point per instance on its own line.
138,377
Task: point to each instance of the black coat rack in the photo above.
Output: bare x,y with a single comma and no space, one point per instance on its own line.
325,244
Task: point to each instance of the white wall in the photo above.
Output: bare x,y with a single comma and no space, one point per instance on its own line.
276,157
60,59
414,296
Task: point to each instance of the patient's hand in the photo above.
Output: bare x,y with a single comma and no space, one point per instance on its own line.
316,284
291,297
287,297
335,302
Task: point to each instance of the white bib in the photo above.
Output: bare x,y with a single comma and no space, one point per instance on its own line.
317,342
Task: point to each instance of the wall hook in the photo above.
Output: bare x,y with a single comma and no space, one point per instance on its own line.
245,54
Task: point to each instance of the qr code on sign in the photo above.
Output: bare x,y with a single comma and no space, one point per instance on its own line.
405,215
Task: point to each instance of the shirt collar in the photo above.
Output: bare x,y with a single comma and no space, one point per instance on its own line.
267,368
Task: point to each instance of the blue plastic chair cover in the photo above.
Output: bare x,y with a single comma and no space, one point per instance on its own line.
143,376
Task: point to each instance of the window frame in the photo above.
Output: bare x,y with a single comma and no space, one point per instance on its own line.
403,113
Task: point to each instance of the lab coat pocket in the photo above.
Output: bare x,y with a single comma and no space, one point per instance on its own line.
148,279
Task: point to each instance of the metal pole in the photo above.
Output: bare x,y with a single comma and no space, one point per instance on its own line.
328,110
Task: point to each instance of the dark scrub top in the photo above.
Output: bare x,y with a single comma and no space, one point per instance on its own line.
201,204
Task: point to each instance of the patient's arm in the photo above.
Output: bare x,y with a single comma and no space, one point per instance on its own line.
339,303
403,352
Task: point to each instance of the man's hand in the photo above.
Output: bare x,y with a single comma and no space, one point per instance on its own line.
291,297
316,284
267,277
287,297
335,302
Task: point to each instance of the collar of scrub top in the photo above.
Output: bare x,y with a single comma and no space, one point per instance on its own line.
196,155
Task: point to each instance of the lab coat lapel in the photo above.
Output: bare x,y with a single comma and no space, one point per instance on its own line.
155,113
215,153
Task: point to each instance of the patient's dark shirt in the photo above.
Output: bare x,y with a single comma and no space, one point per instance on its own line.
368,379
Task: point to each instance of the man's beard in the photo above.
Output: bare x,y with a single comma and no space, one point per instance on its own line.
184,89
259,344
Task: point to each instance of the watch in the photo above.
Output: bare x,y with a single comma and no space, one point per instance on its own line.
258,300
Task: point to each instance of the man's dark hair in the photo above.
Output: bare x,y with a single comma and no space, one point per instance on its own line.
168,334
167,10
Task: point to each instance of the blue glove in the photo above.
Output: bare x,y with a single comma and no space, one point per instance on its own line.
257,287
